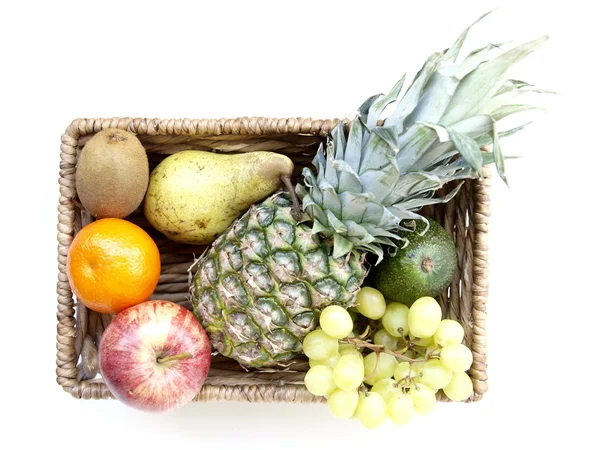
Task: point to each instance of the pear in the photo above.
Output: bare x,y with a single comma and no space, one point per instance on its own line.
193,196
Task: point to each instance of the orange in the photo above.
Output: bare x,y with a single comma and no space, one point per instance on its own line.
112,264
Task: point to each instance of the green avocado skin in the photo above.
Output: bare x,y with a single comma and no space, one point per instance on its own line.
401,278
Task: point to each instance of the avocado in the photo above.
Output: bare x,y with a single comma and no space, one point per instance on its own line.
425,267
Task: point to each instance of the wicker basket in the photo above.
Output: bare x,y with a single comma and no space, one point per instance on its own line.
79,329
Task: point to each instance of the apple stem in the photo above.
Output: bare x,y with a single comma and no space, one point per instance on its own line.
174,357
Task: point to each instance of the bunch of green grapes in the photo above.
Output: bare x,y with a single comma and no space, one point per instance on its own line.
393,371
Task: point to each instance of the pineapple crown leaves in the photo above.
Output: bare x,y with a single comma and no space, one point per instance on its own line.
370,183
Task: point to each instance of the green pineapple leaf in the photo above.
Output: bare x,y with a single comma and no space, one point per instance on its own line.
368,183
498,156
481,84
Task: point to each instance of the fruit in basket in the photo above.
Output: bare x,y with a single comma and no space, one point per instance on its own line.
423,398
112,264
336,322
460,387
378,367
456,357
260,287
395,319
425,267
349,372
405,377
155,356
435,374
112,174
449,332
318,345
342,404
371,410
319,380
193,196
401,409
370,303
424,317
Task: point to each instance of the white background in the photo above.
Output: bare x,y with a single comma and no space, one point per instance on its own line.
61,61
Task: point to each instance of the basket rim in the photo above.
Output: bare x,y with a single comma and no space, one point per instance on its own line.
243,126
66,356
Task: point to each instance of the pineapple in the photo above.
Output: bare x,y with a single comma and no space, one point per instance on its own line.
259,289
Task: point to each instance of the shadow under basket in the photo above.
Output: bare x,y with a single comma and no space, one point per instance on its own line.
79,330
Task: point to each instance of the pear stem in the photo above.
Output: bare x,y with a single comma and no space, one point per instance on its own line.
287,182
185,355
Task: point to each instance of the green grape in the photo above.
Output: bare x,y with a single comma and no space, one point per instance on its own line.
449,332
378,370
329,362
342,404
460,387
404,368
371,410
350,349
400,408
435,374
423,398
319,380
346,348
456,357
318,345
424,317
418,369
386,388
396,318
349,372
336,322
433,349
421,342
382,337
371,303
356,353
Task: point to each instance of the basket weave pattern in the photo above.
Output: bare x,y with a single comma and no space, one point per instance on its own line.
79,330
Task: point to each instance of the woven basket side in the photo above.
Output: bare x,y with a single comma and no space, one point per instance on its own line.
251,126
466,217
481,219
66,356
258,393
244,393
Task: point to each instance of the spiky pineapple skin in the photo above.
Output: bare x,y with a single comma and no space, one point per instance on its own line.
260,287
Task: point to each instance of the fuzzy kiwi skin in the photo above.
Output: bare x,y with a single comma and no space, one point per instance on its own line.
425,267
112,174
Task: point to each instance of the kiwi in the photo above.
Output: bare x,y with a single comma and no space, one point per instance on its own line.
425,267
112,174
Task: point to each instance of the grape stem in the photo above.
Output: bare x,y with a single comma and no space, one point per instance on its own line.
381,349
374,368
365,333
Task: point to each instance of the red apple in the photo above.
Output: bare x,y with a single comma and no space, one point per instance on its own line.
155,356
